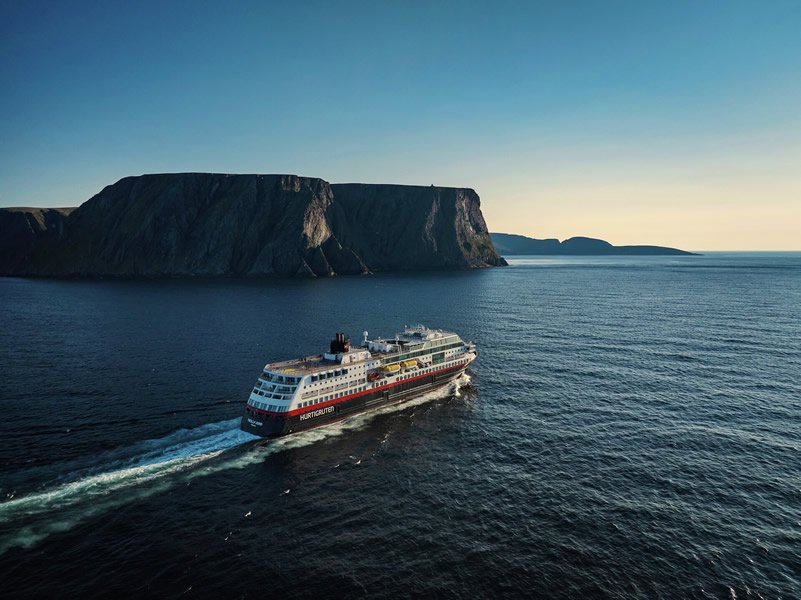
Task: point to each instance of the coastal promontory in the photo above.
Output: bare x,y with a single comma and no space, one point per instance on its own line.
509,244
209,224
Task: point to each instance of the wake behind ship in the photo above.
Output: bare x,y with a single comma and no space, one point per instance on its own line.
299,394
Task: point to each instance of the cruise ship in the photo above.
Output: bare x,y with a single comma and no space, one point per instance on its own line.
303,393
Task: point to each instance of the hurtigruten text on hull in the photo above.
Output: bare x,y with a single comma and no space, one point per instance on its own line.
299,394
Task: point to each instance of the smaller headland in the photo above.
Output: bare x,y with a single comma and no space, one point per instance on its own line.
509,244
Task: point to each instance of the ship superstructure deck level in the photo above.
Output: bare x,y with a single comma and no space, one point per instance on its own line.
297,394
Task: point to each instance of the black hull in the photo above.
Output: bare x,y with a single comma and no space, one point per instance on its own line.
277,425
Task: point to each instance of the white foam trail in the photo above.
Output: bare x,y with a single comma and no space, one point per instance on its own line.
174,445
159,464
312,436
108,484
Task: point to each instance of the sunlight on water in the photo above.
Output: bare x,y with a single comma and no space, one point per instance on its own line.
153,466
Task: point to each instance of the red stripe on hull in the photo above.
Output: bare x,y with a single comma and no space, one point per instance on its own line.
320,405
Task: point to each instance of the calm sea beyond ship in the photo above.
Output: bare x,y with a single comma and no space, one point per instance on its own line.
299,394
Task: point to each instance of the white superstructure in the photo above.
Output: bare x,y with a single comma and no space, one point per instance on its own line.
296,385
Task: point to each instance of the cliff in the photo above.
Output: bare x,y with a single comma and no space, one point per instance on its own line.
397,225
21,229
209,224
510,244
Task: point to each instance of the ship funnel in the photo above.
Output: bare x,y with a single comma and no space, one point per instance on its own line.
340,343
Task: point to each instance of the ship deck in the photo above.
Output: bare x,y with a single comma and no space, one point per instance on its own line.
317,363
301,366
314,364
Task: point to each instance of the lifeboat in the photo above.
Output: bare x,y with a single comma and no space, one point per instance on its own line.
391,368
408,364
373,376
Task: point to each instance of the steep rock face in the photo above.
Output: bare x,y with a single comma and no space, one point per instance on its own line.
23,228
510,244
398,227
249,225
193,224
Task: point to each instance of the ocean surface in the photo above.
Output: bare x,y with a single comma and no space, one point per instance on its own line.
631,429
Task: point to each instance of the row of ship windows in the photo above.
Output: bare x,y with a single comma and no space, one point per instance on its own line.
330,387
329,375
273,387
435,344
269,395
359,389
424,371
427,351
326,389
332,397
270,407
401,377
280,378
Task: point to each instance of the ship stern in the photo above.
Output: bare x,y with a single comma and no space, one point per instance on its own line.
263,425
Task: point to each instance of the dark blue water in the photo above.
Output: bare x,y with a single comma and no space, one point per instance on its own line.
632,429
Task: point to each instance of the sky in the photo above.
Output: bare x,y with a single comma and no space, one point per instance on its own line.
672,123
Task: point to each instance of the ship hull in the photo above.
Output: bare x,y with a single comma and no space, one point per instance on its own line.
272,425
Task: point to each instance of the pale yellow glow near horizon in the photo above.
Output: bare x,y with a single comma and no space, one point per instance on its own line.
699,229
691,219
748,198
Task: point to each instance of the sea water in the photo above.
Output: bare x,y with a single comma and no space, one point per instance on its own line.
631,429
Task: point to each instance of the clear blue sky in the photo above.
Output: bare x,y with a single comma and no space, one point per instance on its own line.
634,121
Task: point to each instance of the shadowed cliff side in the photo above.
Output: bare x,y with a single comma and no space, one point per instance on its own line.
401,227
208,224
21,229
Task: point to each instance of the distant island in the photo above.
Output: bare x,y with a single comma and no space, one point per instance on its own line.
509,244
212,224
